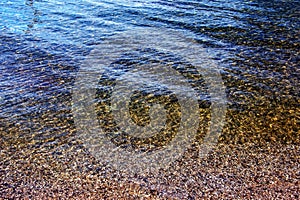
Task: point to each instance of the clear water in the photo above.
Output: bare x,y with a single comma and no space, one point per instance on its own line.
256,44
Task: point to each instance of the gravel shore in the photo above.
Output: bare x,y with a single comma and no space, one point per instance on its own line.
68,171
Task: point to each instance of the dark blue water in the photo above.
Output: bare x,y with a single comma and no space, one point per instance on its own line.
255,43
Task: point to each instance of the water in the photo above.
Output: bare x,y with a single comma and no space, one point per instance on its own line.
255,43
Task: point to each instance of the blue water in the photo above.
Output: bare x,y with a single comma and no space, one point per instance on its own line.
256,44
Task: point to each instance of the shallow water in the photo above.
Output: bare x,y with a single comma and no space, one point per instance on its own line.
43,44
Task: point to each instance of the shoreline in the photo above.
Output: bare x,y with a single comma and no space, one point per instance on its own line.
231,171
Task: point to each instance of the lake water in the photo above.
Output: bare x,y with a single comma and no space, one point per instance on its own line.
44,42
